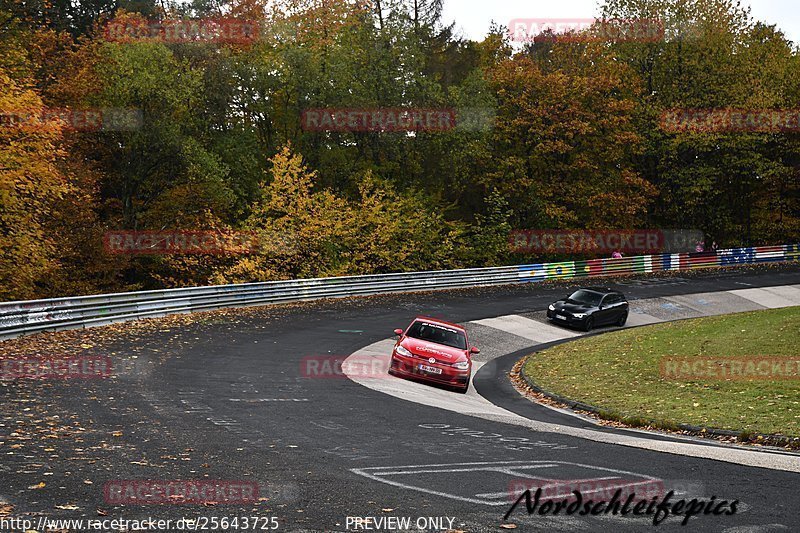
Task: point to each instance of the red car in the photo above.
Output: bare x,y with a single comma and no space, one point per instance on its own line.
436,351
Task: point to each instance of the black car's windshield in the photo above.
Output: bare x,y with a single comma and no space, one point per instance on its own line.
586,298
439,334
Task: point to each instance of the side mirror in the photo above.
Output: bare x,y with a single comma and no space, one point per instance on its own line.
398,332
474,350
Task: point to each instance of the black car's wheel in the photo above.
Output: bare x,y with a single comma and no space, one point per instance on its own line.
622,319
589,325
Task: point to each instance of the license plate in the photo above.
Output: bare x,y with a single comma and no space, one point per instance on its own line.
561,317
430,369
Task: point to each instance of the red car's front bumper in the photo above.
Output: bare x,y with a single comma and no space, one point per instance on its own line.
410,367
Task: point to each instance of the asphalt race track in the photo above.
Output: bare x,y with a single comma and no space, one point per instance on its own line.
229,399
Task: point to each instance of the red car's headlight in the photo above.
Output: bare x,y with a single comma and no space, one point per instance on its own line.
402,351
462,365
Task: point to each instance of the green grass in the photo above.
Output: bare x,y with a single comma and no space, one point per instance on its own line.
620,373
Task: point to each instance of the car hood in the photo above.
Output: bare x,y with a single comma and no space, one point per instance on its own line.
431,349
572,307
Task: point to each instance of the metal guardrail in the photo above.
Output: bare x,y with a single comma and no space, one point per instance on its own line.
27,317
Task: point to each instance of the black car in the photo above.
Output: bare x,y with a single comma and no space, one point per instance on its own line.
590,307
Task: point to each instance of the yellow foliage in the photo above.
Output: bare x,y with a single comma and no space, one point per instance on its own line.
29,185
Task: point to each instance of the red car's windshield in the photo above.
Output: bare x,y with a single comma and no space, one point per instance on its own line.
439,334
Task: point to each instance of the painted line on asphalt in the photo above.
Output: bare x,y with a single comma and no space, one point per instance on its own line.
790,292
268,400
509,470
769,299
641,319
716,303
527,328
473,404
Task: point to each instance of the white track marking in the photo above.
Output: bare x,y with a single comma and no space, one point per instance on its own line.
769,299
380,473
450,470
472,404
715,303
266,400
641,319
493,495
527,328
479,407
789,292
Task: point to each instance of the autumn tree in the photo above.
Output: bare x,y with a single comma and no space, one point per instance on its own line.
30,187
565,142
712,55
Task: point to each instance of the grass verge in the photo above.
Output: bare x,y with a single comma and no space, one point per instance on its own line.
621,373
